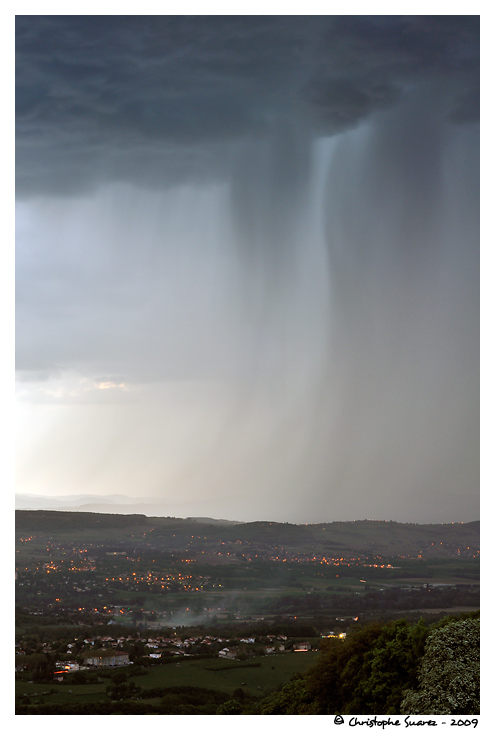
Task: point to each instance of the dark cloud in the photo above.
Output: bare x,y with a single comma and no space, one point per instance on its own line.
153,98
338,103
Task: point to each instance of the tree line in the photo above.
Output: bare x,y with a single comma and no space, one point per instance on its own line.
391,669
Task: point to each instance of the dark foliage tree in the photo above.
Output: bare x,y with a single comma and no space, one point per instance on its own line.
449,675
369,671
232,707
292,699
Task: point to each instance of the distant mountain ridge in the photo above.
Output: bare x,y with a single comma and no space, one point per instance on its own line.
360,537
36,501
107,504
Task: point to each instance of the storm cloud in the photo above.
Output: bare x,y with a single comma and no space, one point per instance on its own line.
247,263
154,99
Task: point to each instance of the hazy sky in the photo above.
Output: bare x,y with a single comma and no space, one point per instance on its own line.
247,258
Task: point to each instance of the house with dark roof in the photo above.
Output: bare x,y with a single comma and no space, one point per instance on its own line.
105,658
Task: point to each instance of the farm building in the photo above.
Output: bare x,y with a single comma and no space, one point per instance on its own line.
105,658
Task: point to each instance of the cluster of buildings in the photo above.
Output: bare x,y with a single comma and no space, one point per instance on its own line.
108,651
97,658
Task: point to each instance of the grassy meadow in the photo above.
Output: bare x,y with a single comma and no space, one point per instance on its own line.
257,678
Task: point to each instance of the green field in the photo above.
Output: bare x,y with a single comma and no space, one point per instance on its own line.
61,694
258,678
227,675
